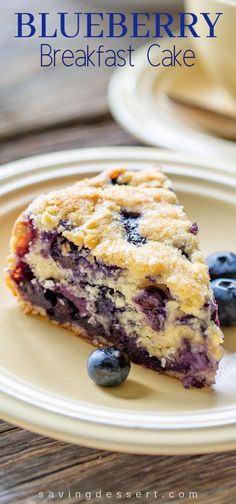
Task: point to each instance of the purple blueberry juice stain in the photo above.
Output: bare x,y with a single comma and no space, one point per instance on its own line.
214,312
80,261
189,358
151,301
100,315
190,361
194,229
193,323
64,252
187,320
63,307
104,305
212,308
78,301
130,221
47,239
106,270
34,292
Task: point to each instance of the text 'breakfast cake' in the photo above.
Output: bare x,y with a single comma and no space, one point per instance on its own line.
115,259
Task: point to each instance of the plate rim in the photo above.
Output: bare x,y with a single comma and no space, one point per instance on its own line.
62,157
17,168
81,432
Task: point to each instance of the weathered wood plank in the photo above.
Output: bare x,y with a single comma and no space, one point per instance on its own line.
30,464
82,135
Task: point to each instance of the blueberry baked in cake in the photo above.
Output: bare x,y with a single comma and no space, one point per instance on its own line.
115,259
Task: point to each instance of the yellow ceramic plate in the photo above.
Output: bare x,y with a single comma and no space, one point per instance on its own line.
43,380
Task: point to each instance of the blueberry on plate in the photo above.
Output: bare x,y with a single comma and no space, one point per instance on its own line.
225,295
222,265
108,367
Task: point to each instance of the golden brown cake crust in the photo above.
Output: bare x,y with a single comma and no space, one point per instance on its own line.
93,207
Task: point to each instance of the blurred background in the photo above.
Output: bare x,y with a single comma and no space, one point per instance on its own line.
46,109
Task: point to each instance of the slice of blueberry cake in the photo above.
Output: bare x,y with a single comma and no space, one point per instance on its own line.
116,260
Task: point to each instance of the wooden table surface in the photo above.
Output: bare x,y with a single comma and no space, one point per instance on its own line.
48,111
